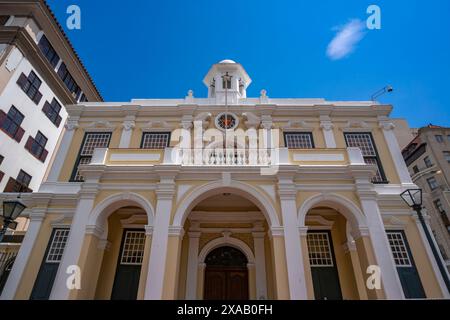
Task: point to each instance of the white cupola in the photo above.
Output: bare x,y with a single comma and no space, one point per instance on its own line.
227,78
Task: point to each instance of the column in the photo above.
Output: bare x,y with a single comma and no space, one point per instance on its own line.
158,254
350,250
171,276
294,255
12,284
127,130
389,276
192,271
327,129
260,262
279,263
201,279
75,241
252,281
391,141
63,150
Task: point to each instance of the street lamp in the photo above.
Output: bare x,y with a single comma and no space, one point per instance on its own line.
413,198
11,210
386,89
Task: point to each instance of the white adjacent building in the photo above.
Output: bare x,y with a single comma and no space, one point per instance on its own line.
40,73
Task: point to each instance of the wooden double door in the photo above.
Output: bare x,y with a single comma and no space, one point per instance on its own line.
226,275
226,283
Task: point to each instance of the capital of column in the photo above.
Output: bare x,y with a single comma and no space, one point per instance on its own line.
88,190
276,232
386,125
128,125
258,234
165,191
72,123
148,230
37,214
202,266
94,230
176,231
250,265
361,232
349,246
194,234
326,125
303,231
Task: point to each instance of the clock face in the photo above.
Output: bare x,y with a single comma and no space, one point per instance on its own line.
226,121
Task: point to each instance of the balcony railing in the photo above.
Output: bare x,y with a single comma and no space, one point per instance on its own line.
227,157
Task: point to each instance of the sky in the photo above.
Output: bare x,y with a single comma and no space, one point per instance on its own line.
293,49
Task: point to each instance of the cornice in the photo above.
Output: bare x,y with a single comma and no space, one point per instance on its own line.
20,38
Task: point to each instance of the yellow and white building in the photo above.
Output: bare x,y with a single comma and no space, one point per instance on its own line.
145,200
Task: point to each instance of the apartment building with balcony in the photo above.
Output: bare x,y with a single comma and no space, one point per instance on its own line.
428,159
225,197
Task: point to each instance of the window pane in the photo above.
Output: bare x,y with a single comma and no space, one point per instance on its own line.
155,140
57,246
95,140
319,249
363,141
399,249
133,248
299,140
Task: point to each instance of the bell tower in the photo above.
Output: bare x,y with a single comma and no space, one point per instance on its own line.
227,79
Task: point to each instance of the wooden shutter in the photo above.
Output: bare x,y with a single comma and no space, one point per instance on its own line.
46,108
29,143
43,155
19,134
22,80
58,121
2,117
10,185
37,97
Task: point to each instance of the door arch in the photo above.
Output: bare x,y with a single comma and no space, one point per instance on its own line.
226,274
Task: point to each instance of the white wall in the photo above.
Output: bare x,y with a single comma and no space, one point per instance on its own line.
16,156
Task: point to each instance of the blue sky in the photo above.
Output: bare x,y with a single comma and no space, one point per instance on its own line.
161,49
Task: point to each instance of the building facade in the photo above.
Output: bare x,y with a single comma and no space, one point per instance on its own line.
225,197
40,74
428,160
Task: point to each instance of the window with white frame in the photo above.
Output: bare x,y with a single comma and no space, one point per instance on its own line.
299,140
155,140
319,249
57,245
364,141
432,183
399,249
91,141
427,162
133,247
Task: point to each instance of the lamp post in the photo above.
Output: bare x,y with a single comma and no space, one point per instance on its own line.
413,198
381,92
11,210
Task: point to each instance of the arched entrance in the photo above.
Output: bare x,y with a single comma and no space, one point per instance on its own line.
226,275
214,216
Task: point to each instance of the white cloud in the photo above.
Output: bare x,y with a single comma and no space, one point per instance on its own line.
346,39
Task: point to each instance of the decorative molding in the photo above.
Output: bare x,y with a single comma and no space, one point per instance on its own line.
294,124
104,244
252,120
103,124
320,220
156,124
354,124
239,216
205,118
135,221
276,232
